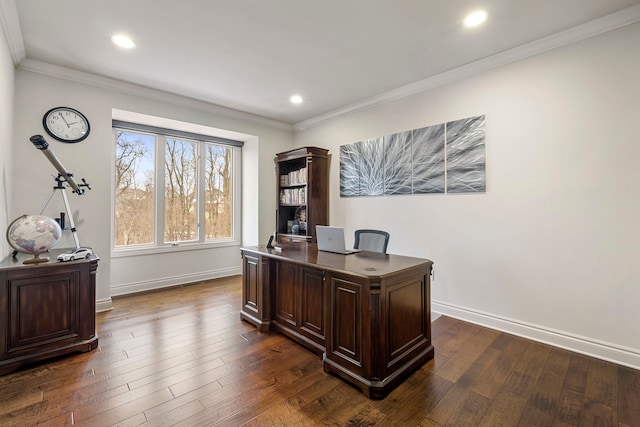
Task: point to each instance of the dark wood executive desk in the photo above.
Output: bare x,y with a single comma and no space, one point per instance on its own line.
367,314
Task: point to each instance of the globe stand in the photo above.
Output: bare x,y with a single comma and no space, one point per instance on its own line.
35,260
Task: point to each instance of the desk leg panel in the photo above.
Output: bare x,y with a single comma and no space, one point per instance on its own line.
256,278
348,343
379,332
407,331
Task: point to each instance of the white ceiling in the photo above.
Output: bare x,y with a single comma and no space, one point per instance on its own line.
252,55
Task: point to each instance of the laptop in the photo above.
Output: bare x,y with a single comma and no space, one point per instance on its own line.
331,239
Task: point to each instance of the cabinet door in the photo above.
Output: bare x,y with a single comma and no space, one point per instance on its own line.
349,337
286,294
44,311
255,298
4,315
311,321
250,285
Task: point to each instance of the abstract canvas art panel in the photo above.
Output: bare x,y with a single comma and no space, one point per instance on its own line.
466,171
397,163
428,160
371,167
444,157
349,172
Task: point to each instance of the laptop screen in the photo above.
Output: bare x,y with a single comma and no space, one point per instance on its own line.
331,239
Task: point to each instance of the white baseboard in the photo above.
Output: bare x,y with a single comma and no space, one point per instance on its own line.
165,282
587,346
104,305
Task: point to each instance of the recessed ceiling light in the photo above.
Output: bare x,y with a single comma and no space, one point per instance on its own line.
296,99
123,41
475,18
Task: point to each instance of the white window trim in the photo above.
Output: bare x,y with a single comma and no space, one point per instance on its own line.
159,247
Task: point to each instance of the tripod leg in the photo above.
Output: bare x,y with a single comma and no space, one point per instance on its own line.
73,225
48,200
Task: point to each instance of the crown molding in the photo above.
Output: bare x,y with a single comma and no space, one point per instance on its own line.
107,83
601,25
11,26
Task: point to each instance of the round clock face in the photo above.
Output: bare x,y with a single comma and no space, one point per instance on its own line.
66,124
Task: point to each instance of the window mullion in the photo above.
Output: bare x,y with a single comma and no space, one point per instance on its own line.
201,191
236,193
160,189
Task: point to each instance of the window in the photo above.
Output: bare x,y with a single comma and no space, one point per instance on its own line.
135,188
174,187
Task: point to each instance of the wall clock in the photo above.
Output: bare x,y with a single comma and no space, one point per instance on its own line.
66,124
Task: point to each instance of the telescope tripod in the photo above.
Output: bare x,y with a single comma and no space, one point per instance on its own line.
60,186
61,220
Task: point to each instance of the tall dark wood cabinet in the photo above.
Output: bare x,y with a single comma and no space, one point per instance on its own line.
46,310
303,193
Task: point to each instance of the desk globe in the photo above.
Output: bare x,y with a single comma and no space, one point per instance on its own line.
33,234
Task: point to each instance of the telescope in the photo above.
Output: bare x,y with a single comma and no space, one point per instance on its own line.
42,145
63,176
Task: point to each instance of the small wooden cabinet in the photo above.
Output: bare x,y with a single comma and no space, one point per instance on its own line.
303,190
46,309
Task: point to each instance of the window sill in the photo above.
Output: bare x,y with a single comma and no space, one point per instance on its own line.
181,247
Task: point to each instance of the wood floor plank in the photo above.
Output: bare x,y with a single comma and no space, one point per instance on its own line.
119,408
475,348
472,410
172,416
509,404
511,350
257,382
628,392
182,356
543,403
238,367
451,342
286,408
441,325
413,401
602,383
596,414
330,407
449,405
22,398
523,377
571,397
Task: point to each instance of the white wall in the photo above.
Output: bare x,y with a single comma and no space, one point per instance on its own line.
93,159
7,76
550,250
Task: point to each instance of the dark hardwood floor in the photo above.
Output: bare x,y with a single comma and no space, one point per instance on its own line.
182,357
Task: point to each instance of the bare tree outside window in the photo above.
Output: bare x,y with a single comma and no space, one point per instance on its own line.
218,192
135,188
194,199
181,191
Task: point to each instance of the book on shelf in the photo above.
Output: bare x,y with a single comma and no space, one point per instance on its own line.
297,177
293,196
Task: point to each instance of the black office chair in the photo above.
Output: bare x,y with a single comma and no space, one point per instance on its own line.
371,240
